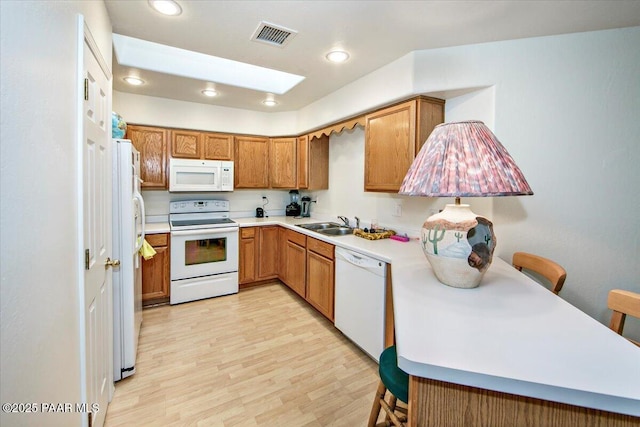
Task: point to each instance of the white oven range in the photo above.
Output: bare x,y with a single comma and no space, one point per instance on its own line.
204,250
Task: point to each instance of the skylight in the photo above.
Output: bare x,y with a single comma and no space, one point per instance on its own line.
142,54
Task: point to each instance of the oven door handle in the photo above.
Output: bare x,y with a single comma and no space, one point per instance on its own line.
204,231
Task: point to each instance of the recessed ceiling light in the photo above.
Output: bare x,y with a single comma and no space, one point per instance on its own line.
134,81
210,92
269,102
337,56
166,7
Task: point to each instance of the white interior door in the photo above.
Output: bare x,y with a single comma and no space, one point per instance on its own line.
97,228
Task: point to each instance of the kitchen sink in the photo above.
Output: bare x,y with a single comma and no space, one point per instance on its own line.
336,231
316,226
328,228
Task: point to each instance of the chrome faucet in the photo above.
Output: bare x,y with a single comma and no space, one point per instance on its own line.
357,222
344,219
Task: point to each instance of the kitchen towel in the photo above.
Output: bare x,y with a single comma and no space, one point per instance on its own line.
146,250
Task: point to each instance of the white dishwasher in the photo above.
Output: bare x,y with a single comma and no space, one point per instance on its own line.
360,299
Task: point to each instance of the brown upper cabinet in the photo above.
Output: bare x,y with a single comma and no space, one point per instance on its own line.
283,162
151,142
313,163
288,162
251,168
188,144
260,162
217,146
393,137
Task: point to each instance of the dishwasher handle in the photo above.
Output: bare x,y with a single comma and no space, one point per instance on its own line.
363,261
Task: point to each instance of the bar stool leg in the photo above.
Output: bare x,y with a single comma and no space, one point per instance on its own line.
392,406
375,410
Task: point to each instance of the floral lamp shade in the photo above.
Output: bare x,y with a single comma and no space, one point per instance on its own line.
462,159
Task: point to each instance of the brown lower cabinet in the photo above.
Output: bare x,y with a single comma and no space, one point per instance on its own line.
320,276
155,271
258,257
307,268
295,270
247,271
268,252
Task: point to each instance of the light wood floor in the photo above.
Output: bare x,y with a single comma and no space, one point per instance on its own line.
262,357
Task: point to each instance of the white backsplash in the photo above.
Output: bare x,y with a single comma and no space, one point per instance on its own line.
243,202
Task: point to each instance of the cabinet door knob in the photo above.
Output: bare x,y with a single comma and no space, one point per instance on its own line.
111,263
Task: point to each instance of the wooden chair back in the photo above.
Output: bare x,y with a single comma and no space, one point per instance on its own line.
623,303
551,270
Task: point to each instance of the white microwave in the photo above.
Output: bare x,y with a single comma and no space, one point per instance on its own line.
200,175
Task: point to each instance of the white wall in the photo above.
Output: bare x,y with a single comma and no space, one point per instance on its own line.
40,347
391,82
148,110
565,107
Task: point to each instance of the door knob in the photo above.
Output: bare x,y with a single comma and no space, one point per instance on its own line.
111,263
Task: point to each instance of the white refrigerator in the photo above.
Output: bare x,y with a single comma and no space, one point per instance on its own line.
128,236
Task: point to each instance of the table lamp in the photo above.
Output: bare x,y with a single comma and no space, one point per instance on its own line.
462,159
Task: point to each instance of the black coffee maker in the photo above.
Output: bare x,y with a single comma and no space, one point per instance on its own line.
293,208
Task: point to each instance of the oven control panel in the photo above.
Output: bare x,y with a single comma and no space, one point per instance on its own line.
189,206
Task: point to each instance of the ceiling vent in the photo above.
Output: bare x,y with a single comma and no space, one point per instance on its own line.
273,35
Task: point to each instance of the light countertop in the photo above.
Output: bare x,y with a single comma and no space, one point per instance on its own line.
157,224
156,228
385,250
510,335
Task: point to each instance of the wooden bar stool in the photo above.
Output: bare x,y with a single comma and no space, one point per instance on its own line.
551,270
623,303
396,382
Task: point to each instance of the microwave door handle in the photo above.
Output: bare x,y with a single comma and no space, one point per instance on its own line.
201,231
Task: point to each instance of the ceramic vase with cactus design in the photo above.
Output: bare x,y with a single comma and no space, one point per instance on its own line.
459,245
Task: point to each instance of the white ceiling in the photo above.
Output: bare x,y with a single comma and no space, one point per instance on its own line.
374,32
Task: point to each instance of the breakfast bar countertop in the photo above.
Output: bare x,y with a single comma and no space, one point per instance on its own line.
510,335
